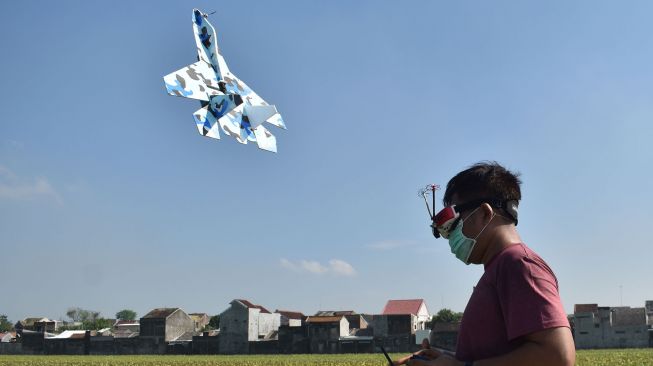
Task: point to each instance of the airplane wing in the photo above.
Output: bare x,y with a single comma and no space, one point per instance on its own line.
195,81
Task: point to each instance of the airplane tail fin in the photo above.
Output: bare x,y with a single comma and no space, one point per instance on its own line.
276,120
265,140
235,124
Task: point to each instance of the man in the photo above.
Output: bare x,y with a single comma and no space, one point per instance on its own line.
514,316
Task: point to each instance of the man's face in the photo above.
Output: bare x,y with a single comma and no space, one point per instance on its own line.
475,219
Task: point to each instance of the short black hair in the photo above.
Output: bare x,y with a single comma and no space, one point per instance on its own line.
486,179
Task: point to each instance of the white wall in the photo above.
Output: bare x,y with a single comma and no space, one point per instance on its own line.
344,327
422,316
253,324
268,322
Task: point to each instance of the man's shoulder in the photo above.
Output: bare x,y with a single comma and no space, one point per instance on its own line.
520,258
513,253
516,255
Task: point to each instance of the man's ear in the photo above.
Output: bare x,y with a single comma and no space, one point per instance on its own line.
488,211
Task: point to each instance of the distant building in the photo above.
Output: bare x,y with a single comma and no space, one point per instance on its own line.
37,325
445,335
8,337
201,320
609,327
356,321
245,322
167,323
324,332
416,307
126,328
290,318
394,325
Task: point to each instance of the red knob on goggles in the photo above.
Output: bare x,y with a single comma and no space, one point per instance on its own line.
444,221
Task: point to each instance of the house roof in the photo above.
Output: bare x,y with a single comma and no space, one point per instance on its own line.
125,322
586,308
334,312
324,319
199,314
290,314
252,306
71,334
160,313
402,307
185,337
124,333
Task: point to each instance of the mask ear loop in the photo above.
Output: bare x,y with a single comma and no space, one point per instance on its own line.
486,225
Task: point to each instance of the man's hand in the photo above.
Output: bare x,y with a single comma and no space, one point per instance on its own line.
443,360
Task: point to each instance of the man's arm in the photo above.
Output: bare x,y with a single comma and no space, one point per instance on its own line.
549,347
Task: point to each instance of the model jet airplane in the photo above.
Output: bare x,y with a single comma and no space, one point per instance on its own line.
227,102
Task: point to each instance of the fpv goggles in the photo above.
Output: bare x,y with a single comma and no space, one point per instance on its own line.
446,220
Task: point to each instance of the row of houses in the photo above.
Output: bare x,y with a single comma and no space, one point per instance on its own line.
248,328
244,328
597,326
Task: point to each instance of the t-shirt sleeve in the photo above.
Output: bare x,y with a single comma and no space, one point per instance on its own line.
528,295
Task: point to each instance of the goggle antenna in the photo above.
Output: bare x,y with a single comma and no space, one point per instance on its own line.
429,190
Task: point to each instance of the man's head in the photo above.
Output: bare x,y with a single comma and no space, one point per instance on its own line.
483,180
486,195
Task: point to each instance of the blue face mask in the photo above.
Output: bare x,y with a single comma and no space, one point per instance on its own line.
462,246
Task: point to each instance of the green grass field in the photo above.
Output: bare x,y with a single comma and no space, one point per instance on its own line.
622,357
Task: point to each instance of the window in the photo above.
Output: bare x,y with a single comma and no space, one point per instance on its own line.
620,332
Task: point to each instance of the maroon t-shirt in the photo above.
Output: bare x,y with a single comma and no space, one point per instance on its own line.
517,295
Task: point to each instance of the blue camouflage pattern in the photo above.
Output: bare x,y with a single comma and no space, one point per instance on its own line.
228,104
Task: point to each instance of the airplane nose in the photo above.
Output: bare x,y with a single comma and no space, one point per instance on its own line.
197,17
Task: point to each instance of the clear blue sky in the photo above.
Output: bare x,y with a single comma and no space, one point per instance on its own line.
109,198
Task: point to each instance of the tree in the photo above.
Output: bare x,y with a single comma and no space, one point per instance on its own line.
82,315
73,314
446,316
95,324
126,314
214,322
5,324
